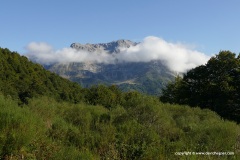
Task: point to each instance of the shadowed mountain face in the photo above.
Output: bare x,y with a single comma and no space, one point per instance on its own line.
147,77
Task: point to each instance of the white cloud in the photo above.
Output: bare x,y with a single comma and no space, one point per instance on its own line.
43,53
177,57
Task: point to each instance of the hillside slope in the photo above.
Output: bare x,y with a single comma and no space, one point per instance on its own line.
22,79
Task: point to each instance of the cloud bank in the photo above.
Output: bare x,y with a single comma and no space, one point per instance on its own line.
177,57
45,54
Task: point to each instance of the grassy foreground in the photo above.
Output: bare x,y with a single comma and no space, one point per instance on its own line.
140,128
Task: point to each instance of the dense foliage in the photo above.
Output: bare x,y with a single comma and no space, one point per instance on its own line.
215,85
43,116
140,128
21,79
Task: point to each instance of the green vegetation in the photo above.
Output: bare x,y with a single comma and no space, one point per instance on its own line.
215,85
145,77
140,128
21,79
150,83
43,116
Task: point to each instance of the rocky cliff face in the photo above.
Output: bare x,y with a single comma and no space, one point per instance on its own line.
149,77
112,47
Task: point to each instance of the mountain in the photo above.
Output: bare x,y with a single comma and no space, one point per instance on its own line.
112,47
147,77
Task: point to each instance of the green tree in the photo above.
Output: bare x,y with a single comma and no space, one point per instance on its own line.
173,92
102,95
214,86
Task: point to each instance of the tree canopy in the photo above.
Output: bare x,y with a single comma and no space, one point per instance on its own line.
215,85
22,79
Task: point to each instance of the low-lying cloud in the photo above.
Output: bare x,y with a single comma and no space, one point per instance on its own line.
177,57
45,54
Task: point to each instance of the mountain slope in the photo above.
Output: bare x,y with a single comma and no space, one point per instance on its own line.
21,79
148,77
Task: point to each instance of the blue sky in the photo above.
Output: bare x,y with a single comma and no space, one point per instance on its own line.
207,25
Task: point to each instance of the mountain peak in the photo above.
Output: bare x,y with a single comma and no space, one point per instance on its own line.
111,47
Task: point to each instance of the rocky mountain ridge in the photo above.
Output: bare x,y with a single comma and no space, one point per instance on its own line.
148,77
112,47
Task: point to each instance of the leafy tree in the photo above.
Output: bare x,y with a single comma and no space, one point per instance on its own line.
214,86
109,97
173,92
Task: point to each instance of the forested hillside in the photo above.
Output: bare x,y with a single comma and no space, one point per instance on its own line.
21,79
43,116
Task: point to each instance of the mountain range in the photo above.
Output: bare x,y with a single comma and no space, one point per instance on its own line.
147,77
